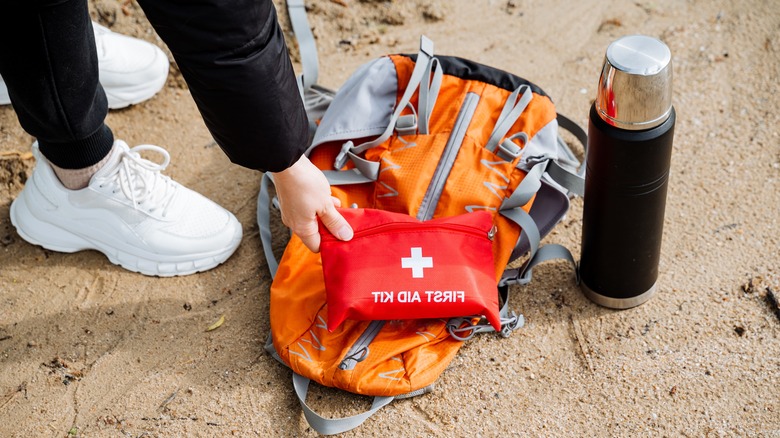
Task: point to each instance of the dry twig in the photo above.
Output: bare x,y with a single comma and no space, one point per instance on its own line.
582,343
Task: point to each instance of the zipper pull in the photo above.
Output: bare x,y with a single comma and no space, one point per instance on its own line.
492,233
350,361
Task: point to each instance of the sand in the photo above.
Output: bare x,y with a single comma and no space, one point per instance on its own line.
88,349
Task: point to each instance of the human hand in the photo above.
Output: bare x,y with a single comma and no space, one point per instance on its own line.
304,194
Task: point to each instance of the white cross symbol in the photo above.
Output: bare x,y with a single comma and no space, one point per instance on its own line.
417,262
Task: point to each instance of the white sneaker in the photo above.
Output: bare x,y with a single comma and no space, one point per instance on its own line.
140,219
131,70
5,99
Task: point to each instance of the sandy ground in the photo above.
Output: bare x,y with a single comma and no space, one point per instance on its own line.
89,349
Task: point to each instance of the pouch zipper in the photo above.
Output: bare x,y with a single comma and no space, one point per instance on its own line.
358,352
443,168
421,226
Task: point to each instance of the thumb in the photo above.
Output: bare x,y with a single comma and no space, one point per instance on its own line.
336,224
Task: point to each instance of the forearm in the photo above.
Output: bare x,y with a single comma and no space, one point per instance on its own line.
235,61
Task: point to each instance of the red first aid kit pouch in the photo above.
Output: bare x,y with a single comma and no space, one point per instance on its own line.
397,267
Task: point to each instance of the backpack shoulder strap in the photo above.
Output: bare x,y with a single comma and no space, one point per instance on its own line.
567,170
424,57
264,223
316,98
330,426
306,44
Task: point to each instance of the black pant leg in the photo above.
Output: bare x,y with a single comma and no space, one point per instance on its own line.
49,63
233,56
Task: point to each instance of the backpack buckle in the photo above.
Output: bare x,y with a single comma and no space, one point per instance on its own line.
341,158
406,125
509,150
511,324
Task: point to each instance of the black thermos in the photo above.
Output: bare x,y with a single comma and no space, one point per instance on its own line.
629,153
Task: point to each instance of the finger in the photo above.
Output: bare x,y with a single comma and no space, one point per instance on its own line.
336,201
309,235
336,224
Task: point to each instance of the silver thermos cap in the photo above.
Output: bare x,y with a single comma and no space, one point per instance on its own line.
635,87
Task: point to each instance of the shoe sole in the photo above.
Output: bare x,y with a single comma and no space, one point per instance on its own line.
55,238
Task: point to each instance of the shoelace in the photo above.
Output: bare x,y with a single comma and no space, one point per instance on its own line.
140,180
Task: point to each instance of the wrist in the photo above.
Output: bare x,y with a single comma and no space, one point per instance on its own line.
290,172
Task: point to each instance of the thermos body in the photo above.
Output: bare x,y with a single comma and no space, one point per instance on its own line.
622,221
629,155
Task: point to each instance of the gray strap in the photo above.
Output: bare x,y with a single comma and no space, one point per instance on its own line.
367,167
567,170
527,225
346,177
264,223
523,274
566,155
330,426
306,44
429,92
513,108
270,349
569,125
571,181
423,58
527,187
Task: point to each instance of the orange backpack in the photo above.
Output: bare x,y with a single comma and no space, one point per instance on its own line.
429,137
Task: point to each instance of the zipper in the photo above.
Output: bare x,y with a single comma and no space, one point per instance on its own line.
443,168
419,226
358,352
